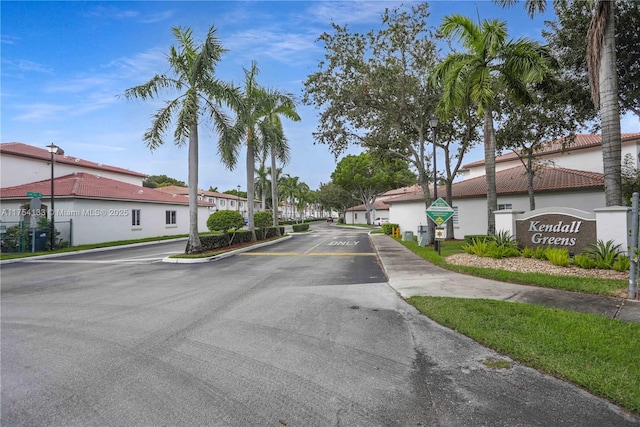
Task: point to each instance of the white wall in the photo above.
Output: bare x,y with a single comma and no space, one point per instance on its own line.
15,170
97,221
472,212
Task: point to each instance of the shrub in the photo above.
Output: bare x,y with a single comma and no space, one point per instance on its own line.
387,228
470,238
504,238
502,251
480,247
214,241
300,227
263,219
622,263
268,232
540,253
558,256
584,261
603,253
225,220
527,252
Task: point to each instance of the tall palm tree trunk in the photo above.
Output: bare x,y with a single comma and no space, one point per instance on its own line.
610,115
193,243
490,170
274,191
251,188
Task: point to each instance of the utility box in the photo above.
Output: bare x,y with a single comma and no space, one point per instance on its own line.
423,235
407,236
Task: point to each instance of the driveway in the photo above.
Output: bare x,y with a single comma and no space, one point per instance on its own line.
306,332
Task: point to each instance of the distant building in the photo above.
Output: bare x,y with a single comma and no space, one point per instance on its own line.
94,203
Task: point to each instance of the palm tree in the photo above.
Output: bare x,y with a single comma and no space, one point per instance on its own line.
278,104
201,99
262,183
259,127
492,64
603,79
247,132
288,187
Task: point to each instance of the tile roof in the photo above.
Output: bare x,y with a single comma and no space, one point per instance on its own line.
86,185
176,189
514,181
560,145
24,150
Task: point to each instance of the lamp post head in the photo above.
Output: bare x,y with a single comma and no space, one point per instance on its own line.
433,121
54,149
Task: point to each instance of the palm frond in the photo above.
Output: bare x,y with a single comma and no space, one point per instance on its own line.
150,89
161,121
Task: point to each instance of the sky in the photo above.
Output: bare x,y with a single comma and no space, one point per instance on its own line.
65,66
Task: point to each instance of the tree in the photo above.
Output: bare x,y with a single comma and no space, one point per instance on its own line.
275,142
289,188
333,197
262,184
256,129
553,115
491,64
154,181
365,178
371,89
213,189
603,80
201,98
224,221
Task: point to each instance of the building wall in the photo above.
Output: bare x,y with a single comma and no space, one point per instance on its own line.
97,221
472,212
586,159
15,170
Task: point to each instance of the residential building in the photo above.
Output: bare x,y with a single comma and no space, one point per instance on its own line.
94,203
567,176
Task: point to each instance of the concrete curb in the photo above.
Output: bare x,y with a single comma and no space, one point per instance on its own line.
222,255
86,251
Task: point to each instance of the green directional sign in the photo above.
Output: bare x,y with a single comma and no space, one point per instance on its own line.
440,212
32,194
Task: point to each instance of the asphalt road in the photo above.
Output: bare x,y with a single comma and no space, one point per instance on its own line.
306,332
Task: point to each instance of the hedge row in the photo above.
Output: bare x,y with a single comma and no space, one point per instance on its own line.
216,241
300,227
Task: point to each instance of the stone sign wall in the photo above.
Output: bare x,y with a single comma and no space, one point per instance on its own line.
556,230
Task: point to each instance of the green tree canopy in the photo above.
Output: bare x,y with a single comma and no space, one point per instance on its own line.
366,177
154,181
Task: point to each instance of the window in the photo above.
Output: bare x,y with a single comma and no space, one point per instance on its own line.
135,216
222,201
504,206
232,203
170,217
455,215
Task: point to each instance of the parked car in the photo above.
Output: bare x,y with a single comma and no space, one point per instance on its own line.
329,219
380,221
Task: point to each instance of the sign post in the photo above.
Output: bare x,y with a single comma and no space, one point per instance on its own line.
440,212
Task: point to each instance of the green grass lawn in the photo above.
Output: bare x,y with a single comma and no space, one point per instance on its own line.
594,352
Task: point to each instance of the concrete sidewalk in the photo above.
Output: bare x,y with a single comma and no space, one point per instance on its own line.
411,275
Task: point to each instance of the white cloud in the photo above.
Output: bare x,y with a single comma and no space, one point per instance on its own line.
24,65
40,111
283,47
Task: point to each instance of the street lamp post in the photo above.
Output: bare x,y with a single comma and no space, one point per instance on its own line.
53,149
238,201
433,122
